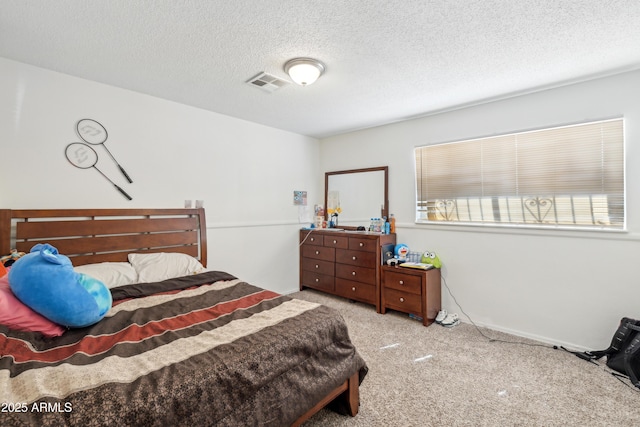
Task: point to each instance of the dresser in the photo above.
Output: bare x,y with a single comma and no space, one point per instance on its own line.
344,263
411,291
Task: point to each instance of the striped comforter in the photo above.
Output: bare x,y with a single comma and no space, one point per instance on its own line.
200,350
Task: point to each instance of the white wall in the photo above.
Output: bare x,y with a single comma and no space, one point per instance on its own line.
561,287
246,173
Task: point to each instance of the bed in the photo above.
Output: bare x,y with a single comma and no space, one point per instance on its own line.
200,348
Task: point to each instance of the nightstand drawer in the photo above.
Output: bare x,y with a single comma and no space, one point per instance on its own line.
359,274
319,252
318,281
402,282
318,266
356,290
402,301
361,258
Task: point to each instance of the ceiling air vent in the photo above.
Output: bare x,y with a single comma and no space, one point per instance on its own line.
267,82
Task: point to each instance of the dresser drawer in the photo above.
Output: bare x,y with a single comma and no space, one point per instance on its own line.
318,252
358,274
311,239
402,301
361,258
402,282
319,266
356,290
336,241
360,244
318,281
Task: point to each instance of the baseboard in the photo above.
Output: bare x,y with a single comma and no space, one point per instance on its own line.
539,338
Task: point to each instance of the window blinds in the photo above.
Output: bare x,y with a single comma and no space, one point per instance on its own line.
562,176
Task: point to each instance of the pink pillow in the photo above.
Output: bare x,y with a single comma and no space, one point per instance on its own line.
15,315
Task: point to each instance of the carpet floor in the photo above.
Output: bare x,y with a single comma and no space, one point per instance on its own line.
437,376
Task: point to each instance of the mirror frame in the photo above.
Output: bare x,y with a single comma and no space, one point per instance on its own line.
385,169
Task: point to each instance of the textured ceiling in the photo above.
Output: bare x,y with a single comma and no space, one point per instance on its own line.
387,60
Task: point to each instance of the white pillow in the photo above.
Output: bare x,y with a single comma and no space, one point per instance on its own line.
112,274
163,265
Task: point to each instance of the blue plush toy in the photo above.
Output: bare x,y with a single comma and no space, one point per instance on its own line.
401,251
46,282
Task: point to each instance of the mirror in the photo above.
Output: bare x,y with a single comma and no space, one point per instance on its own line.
357,195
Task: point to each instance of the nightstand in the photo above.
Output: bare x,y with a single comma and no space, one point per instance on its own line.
411,291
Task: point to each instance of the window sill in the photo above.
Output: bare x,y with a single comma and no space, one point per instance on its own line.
524,230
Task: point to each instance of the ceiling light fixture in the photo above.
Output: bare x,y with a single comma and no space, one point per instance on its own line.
304,71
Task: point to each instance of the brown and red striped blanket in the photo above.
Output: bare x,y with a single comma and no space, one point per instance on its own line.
205,350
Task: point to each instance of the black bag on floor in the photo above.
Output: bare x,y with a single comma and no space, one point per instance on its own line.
623,355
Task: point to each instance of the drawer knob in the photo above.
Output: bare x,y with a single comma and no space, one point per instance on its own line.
335,241
353,273
317,266
317,280
354,258
361,244
317,252
401,299
353,289
313,239
401,282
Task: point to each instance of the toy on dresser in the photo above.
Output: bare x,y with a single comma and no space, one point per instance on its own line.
401,252
404,258
431,258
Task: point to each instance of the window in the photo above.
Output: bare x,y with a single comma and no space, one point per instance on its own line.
570,176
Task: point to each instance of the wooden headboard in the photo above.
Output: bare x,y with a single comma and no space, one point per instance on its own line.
99,235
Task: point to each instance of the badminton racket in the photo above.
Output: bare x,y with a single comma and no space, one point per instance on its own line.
92,132
84,156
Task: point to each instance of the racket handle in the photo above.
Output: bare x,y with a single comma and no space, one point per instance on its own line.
125,174
124,193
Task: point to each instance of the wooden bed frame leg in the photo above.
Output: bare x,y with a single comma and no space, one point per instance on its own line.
352,395
348,392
